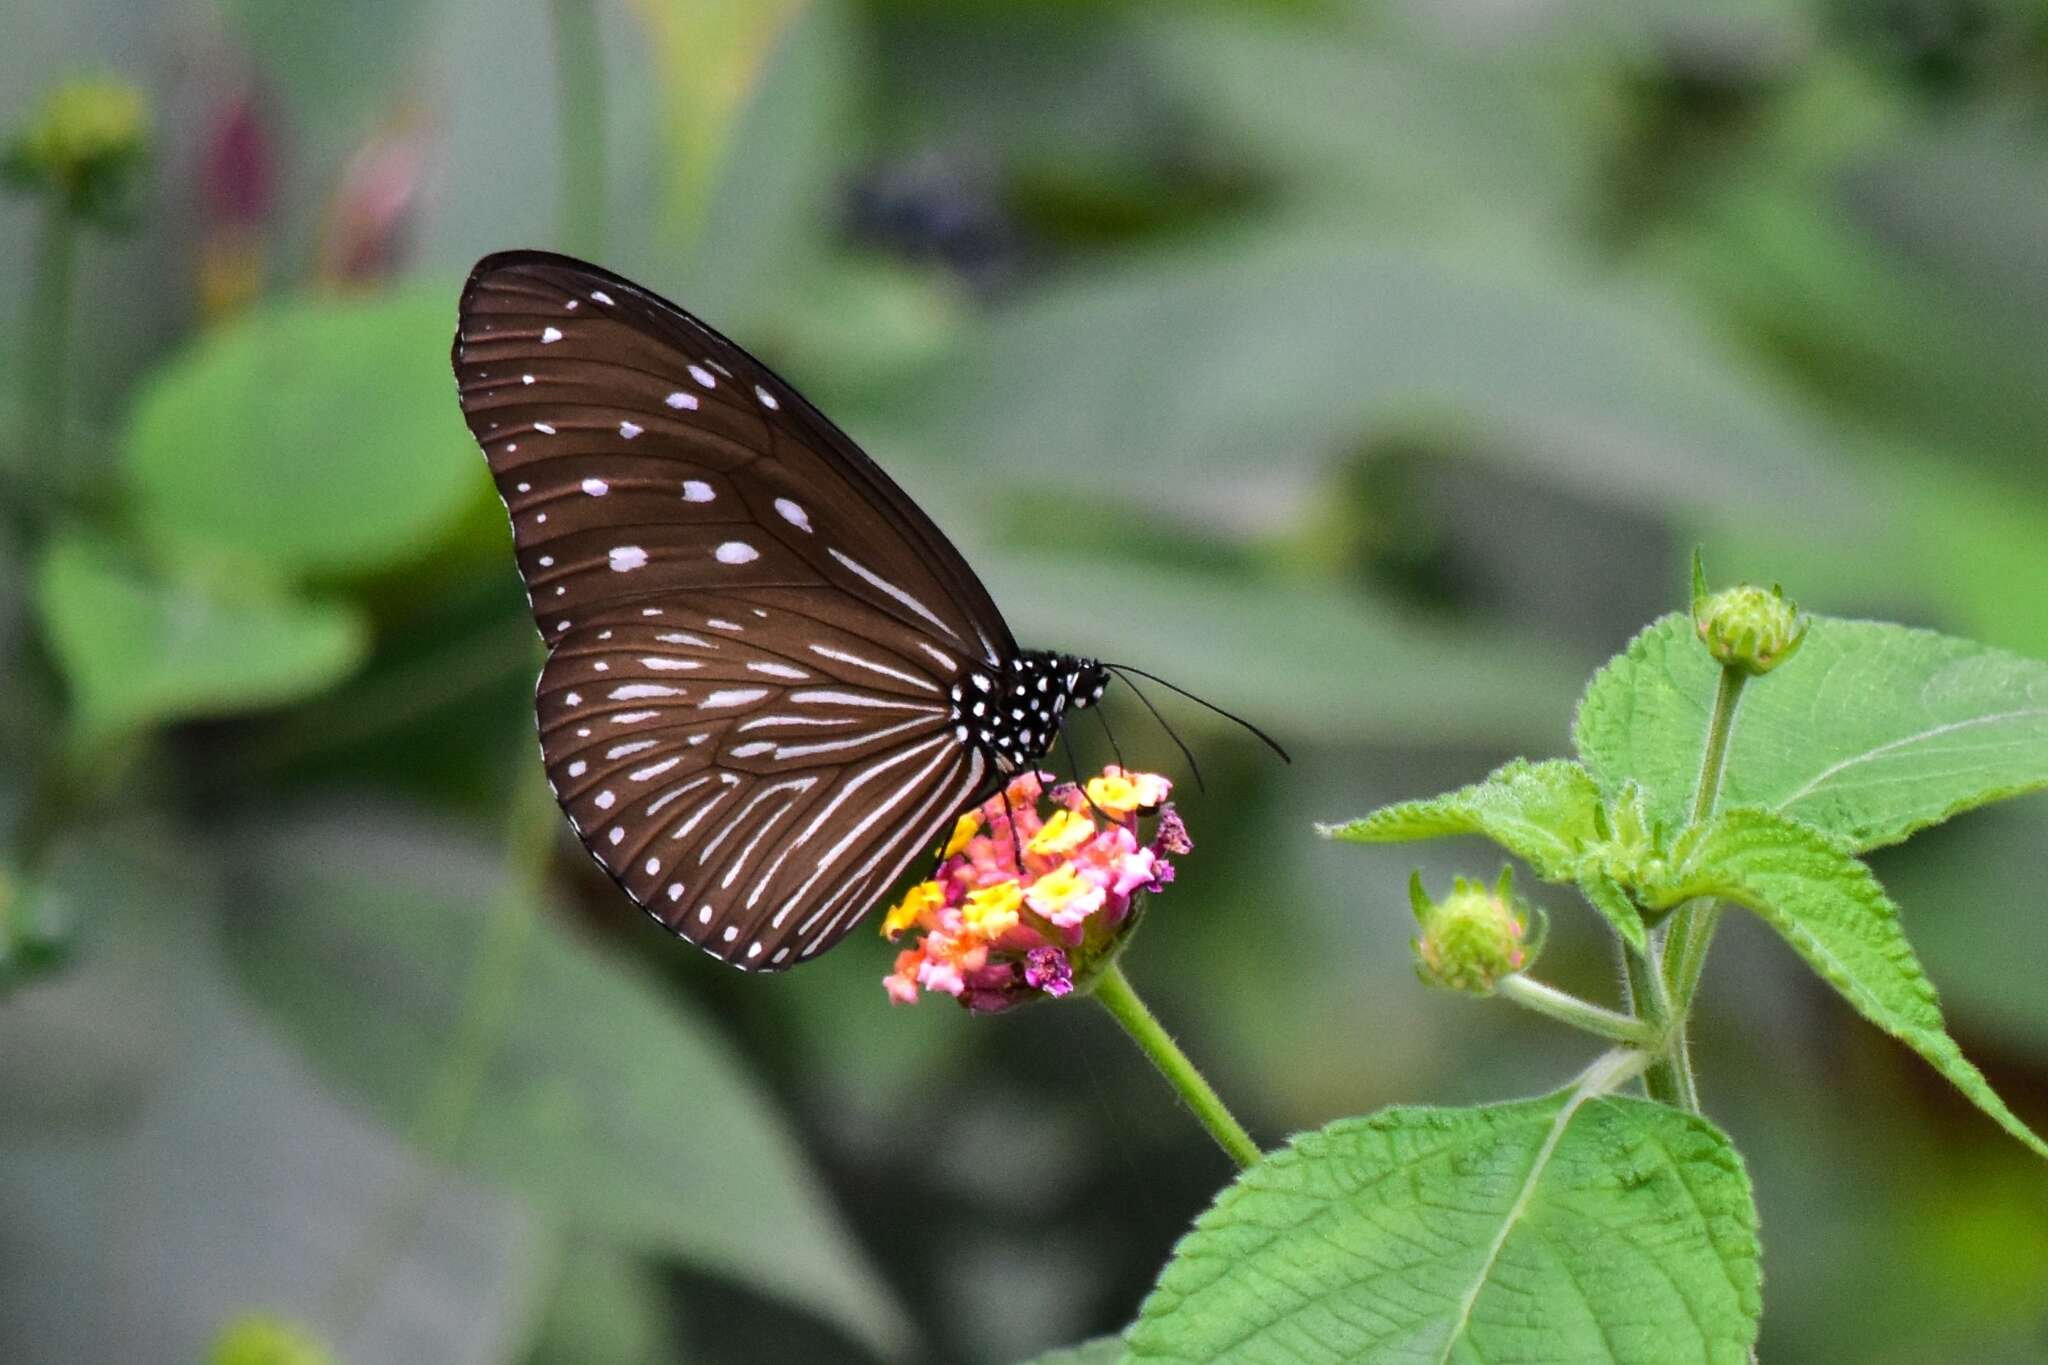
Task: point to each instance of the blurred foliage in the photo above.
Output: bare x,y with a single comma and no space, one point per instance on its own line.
1364,367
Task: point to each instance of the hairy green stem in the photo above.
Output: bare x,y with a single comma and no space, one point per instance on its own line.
579,85
1691,931
1665,1078
1566,1008
1692,927
1113,989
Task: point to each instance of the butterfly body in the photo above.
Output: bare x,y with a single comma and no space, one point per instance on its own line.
772,682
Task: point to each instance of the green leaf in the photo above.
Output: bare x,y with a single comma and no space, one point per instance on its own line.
1870,732
1566,1229
603,1099
1100,1351
1265,355
1211,631
608,1308
1611,899
1543,813
1546,814
318,436
168,1166
139,650
1828,905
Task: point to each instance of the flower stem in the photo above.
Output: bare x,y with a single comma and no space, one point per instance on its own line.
1668,1078
1113,989
1692,927
1553,1003
579,85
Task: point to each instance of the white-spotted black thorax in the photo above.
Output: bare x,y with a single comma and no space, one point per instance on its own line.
1013,714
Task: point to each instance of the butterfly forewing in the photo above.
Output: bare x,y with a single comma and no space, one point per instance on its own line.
748,710
641,452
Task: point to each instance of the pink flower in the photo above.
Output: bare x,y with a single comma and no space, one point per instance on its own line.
1025,902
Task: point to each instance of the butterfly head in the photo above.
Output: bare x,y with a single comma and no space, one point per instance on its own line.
1013,713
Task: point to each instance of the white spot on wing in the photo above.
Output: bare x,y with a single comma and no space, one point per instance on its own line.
663,665
736,552
680,400
625,558
767,398
605,799
732,696
597,488
579,767
696,490
629,429
775,670
643,691
550,335
793,514
543,428
703,376
600,296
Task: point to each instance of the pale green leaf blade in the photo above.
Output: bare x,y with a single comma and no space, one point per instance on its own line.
1100,1351
1543,813
138,649
316,436
602,1099
1828,905
1870,731
1564,1229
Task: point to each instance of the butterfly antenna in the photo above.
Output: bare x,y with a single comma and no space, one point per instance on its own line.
1185,752
1264,738
1103,715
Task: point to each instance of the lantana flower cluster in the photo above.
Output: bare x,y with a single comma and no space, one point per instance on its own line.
1024,903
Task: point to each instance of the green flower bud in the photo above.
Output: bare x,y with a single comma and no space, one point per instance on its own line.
81,147
262,1339
1471,938
1745,627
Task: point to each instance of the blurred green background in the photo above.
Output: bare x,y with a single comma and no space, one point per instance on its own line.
1370,368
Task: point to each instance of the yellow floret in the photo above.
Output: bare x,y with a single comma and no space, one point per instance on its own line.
906,913
965,828
1063,833
992,911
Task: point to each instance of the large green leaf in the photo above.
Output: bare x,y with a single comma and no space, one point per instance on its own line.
1567,1229
613,1107
1225,379
138,649
317,436
1300,655
1547,814
1870,731
1829,907
1543,813
1100,1351
168,1165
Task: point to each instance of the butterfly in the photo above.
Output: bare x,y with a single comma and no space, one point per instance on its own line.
771,680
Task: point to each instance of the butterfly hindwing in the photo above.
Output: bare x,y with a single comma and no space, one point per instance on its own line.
752,777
